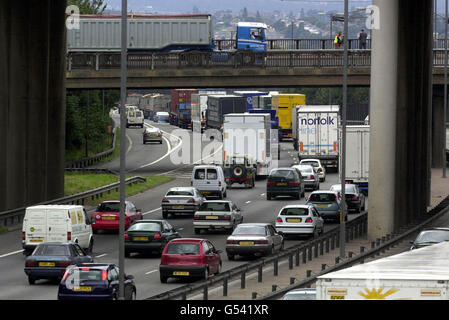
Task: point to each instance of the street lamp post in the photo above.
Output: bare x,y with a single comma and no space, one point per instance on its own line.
445,88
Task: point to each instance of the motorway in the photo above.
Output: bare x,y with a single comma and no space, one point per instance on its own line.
154,159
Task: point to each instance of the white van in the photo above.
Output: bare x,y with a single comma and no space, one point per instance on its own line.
56,223
209,180
134,118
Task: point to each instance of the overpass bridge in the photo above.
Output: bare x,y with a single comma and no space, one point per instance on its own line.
275,68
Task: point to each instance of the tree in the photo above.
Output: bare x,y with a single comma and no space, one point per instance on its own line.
89,6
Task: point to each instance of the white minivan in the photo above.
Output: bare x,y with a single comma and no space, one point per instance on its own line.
56,223
209,180
134,118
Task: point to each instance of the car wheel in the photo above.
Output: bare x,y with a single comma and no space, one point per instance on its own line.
31,280
144,141
91,246
163,279
160,142
95,231
133,295
225,194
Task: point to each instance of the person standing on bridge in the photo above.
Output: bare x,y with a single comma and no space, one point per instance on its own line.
338,40
362,39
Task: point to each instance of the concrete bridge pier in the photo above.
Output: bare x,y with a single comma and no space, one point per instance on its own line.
400,117
32,101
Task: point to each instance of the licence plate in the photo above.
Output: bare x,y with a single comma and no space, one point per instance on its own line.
107,218
294,220
205,192
153,135
36,240
140,238
46,264
82,288
246,243
281,184
212,217
322,205
178,207
337,297
181,273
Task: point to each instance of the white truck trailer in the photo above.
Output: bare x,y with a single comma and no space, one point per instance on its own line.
421,274
357,156
249,134
315,133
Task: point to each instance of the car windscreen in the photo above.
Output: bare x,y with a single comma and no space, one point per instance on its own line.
51,250
348,188
109,207
146,226
183,248
215,206
432,236
322,197
250,230
180,193
287,174
295,212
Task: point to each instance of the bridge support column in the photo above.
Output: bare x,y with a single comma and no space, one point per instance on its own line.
400,95
438,131
32,101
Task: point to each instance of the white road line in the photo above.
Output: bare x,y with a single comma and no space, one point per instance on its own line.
130,144
11,253
101,255
151,211
249,201
262,194
152,271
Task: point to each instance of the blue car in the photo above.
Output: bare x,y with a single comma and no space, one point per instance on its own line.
49,260
94,281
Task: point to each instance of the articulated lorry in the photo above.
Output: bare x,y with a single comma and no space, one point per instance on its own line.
199,107
153,103
249,134
421,274
220,105
180,113
357,156
315,133
284,104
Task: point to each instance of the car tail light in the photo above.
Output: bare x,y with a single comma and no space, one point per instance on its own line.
191,201
196,217
29,263
227,218
69,236
320,170
64,263
270,184
157,236
310,197
104,275
66,274
309,220
278,220
261,242
355,198
23,235
336,198
126,236
231,241
219,183
293,183
312,177
165,201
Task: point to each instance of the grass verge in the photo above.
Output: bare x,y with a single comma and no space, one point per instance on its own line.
3,229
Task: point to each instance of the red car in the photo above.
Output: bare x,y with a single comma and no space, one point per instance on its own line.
186,257
107,215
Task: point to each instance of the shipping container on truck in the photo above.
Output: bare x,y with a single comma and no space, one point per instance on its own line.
284,104
263,102
357,156
219,105
199,107
180,113
315,133
249,134
250,97
420,274
153,103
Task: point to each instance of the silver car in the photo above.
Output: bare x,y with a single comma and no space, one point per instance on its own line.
299,219
300,294
152,134
216,215
311,177
181,200
316,163
254,239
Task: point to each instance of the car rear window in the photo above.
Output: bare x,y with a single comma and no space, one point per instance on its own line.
139,114
183,248
211,174
348,188
306,170
200,174
322,197
256,230
215,206
109,207
51,250
287,174
312,163
144,226
180,193
87,275
295,212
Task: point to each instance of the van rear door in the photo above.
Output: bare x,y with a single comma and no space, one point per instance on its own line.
58,224
35,226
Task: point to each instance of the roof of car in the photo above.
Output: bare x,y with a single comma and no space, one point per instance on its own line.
195,240
148,221
437,228
297,206
260,224
218,201
206,166
303,160
103,266
324,191
181,188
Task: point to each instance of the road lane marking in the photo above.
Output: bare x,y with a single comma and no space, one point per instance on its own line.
152,271
11,253
262,194
130,144
249,201
151,211
101,255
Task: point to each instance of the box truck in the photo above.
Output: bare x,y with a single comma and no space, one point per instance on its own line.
199,107
250,96
219,105
283,104
357,156
315,133
421,274
249,135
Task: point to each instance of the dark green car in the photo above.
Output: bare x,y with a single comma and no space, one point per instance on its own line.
147,236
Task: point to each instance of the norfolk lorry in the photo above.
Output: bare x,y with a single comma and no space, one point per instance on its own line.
284,104
250,135
421,274
357,156
315,133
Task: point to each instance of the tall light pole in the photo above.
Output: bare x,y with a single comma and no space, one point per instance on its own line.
123,66
445,88
343,135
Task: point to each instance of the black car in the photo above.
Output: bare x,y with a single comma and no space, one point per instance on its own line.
429,237
355,199
146,236
94,281
49,260
285,182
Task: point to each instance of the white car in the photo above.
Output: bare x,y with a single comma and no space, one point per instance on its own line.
217,215
299,219
316,163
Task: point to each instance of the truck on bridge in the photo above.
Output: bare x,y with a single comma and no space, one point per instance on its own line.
149,33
